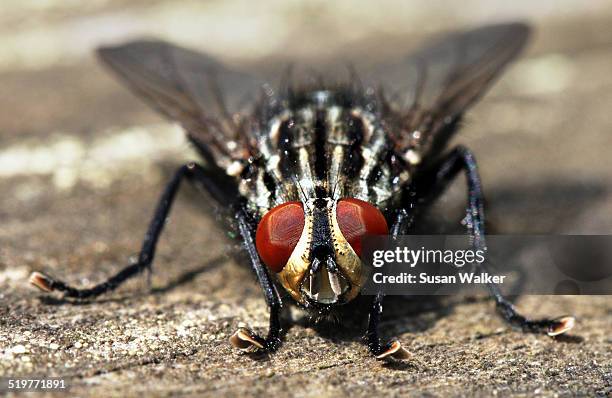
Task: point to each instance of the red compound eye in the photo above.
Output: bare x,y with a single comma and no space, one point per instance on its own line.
357,218
278,232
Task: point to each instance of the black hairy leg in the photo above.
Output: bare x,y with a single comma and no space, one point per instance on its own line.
223,193
392,349
431,184
192,172
245,338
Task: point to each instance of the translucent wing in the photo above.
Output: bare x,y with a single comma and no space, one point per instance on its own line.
430,89
425,93
187,87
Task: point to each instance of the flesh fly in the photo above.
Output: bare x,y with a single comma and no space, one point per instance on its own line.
315,164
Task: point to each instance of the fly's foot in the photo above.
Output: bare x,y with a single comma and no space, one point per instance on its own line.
551,327
391,350
560,325
246,339
41,281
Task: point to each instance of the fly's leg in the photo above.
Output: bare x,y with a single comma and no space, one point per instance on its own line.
462,159
392,349
244,338
224,194
189,171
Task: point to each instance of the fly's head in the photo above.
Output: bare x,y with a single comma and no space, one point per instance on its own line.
315,247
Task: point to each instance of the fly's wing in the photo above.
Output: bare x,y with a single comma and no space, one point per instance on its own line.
430,89
186,87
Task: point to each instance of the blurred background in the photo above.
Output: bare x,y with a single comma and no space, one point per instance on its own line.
82,162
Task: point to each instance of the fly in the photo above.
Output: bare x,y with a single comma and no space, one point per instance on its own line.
311,168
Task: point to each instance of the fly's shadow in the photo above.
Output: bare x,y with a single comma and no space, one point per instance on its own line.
402,315
177,282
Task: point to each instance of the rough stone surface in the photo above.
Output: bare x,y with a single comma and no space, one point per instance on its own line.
82,163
